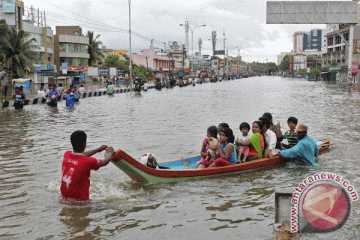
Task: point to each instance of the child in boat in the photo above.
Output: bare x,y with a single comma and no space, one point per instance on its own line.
243,150
212,131
212,153
290,135
221,126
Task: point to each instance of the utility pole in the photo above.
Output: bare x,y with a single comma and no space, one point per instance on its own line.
130,41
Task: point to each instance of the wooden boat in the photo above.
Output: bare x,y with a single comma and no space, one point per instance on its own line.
183,169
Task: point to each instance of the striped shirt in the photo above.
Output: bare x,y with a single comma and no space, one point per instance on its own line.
292,140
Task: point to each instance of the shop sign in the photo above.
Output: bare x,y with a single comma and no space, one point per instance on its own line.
50,67
104,72
120,72
354,68
77,69
38,69
47,74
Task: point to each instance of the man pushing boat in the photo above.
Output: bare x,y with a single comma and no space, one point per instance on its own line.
77,165
305,151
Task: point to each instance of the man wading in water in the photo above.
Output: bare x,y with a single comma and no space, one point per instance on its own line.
77,165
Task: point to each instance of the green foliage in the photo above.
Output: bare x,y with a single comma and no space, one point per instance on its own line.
94,48
112,61
303,72
142,72
95,79
271,68
315,71
285,64
333,64
15,47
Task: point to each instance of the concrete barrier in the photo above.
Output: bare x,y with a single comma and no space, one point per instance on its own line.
33,101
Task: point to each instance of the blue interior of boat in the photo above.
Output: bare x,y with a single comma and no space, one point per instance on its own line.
186,163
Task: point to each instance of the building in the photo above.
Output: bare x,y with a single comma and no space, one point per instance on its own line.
160,63
71,51
12,12
34,25
310,41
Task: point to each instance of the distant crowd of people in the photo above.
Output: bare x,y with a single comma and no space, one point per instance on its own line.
51,94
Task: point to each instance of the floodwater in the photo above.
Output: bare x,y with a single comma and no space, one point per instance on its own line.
169,124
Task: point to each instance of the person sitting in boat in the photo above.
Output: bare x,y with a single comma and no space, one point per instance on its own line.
272,128
221,126
305,151
226,150
290,135
243,150
76,167
212,153
212,131
270,138
256,142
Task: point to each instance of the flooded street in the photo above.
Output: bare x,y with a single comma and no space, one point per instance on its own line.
169,124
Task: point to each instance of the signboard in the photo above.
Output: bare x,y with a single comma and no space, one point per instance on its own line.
334,68
174,44
8,6
50,67
64,65
308,70
104,72
311,12
25,83
354,68
47,74
77,69
38,69
219,52
120,72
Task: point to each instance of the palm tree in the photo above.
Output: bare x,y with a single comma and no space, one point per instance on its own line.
94,49
16,48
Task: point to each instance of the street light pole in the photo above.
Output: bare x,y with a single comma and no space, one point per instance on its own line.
130,41
192,44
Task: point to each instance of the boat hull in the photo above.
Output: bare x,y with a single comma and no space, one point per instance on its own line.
183,169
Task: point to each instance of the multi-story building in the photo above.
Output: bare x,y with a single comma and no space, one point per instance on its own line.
309,41
13,12
71,50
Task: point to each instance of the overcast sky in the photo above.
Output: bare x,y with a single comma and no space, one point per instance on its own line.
244,22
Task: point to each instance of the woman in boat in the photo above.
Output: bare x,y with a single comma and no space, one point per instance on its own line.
212,131
226,150
256,142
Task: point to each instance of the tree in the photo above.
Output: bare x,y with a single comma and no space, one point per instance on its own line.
285,64
303,72
16,49
112,61
271,68
93,48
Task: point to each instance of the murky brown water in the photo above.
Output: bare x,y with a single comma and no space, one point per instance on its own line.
169,124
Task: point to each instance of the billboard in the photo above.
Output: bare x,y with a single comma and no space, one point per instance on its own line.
8,6
175,45
311,12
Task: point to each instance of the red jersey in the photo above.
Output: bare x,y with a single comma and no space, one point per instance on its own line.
75,180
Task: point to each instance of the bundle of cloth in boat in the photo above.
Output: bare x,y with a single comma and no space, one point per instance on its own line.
149,160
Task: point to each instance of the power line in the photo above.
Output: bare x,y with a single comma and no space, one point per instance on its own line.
101,24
